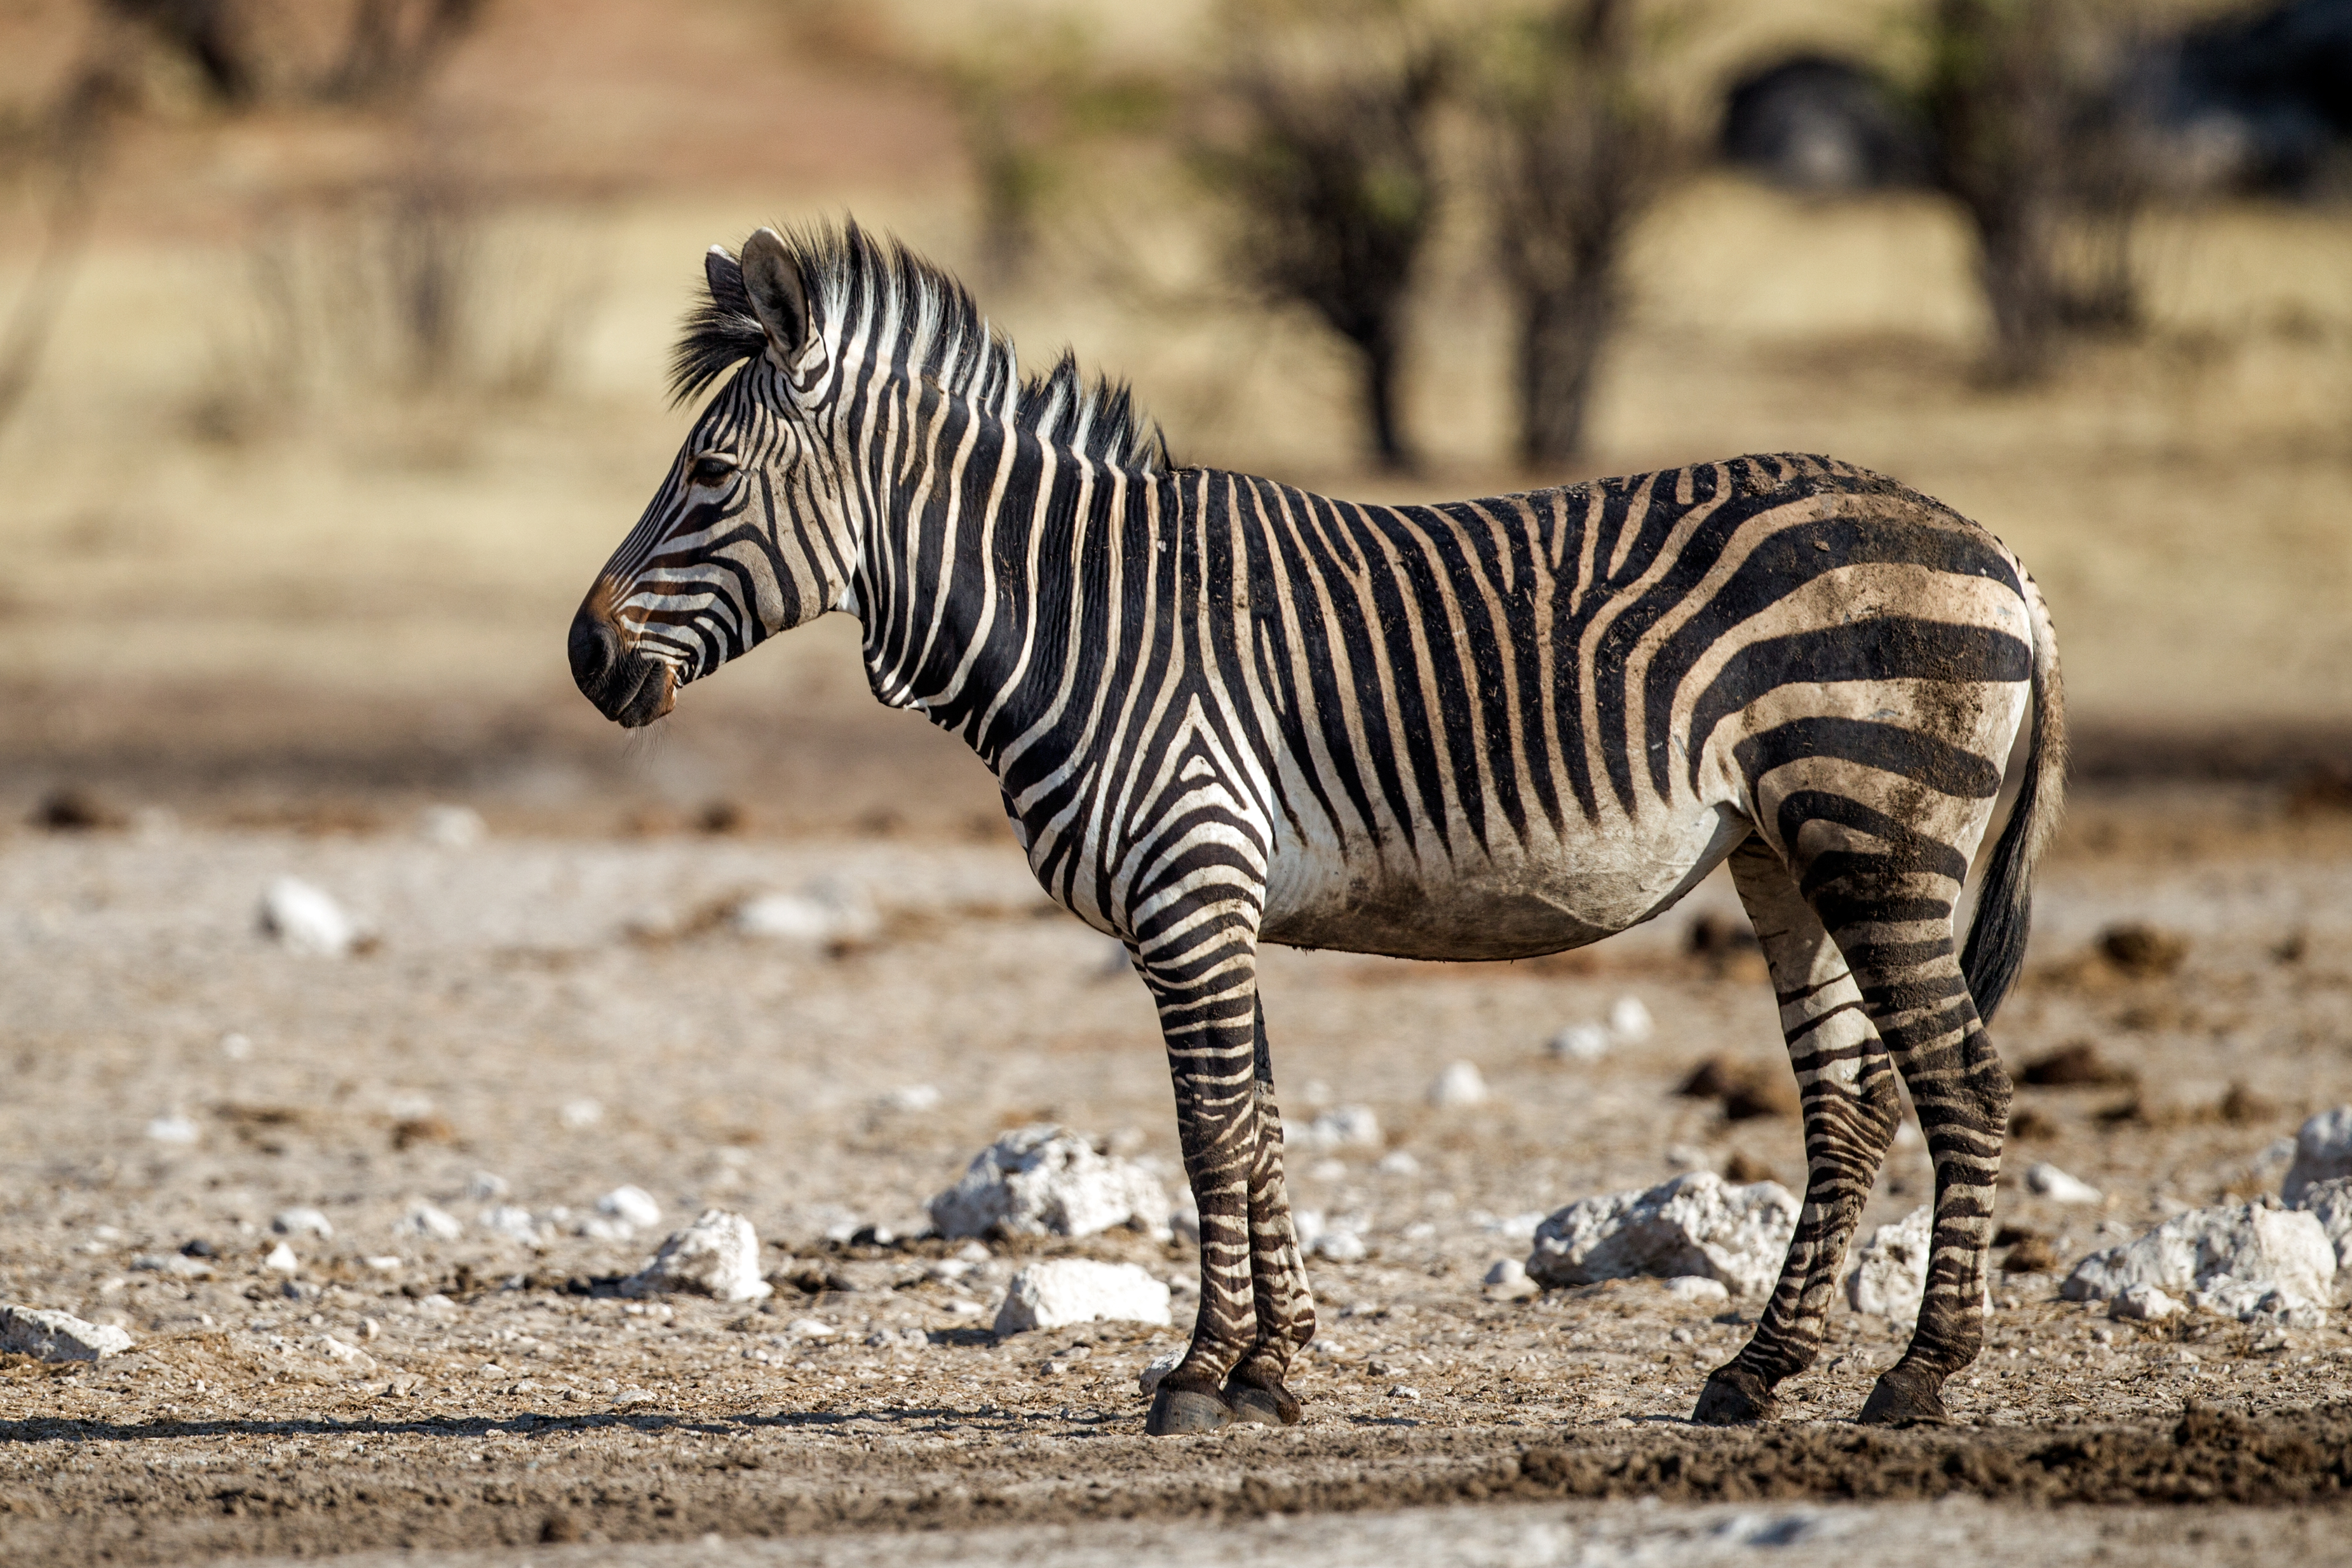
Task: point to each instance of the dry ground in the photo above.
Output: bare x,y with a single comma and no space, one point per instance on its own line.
505,1397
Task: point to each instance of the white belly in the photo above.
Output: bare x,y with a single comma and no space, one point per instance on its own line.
1523,901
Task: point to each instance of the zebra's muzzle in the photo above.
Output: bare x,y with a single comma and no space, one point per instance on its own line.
626,686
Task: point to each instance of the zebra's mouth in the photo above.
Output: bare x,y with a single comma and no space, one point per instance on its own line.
628,687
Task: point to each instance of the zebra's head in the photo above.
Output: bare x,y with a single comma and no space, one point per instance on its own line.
746,537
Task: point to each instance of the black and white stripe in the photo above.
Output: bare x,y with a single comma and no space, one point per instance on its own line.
1224,712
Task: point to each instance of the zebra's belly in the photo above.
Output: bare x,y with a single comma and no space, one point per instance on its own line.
1518,904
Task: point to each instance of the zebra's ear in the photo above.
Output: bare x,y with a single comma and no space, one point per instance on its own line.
773,278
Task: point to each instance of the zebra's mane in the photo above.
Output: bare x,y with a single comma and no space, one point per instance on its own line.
943,335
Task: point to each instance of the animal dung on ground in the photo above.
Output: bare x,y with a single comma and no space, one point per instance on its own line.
2245,1260
304,918
2030,1254
1460,1084
717,1255
2046,1180
1746,1089
1889,1277
1696,1224
2142,951
2075,1064
2323,1152
70,809
1042,1181
53,1336
1058,1292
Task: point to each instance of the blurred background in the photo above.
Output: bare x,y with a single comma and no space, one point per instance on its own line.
332,337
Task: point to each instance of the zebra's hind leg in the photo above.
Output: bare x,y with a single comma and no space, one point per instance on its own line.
1889,906
1847,1082
1200,968
1286,1310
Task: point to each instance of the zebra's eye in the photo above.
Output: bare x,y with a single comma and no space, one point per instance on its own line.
710,468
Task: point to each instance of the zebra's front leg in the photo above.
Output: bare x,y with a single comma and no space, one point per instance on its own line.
1203,977
1847,1083
1286,1310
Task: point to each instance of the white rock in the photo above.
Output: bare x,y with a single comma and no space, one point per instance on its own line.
179,1265
1630,1020
423,1219
1889,1277
2330,1203
631,1205
913,1097
717,1256
350,1357
301,1222
304,918
485,1186
1397,1163
1341,1127
1042,1181
1166,1362
1698,1290
58,1336
1506,1271
579,1114
2322,1151
451,827
2050,1181
1581,1043
2256,1302
173,1129
823,911
1341,1245
1517,1227
1306,1225
2142,1303
810,1329
235,1047
2256,1249
512,1222
604,1227
1060,1291
1696,1224
281,1260
1460,1084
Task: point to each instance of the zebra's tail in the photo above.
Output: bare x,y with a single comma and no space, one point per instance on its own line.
1996,945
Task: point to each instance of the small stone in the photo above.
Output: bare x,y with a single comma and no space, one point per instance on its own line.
384,1263
173,1129
1058,1292
53,1336
2048,1181
2323,1152
1166,1362
914,1099
281,1260
1889,1277
1404,1390
302,1221
1342,1127
1507,1280
1696,1224
179,1265
1698,1290
1580,1043
1397,1163
513,1222
717,1256
451,827
581,1114
1460,1084
2142,1303
1630,1020
810,1329
1336,1246
350,1357
630,1205
306,919
485,1186
423,1219
824,912
1042,1181
235,1047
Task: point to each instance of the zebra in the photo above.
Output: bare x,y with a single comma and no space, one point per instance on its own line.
1226,713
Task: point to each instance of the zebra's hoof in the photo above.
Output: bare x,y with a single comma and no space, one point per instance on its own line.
1275,1406
1180,1410
1905,1396
1734,1397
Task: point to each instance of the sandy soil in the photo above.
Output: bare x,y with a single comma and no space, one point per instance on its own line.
505,1396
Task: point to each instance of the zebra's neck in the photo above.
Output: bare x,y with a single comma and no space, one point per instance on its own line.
993,565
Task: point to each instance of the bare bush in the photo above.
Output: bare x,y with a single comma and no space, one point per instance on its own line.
2037,143
1578,153
1333,175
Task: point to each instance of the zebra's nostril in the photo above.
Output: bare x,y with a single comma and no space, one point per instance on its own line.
593,646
